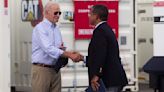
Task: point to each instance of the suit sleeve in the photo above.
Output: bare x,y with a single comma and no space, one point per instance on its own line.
99,53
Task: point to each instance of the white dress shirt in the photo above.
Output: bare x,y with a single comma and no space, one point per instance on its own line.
46,41
99,24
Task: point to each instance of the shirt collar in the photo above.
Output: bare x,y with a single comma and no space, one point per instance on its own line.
99,24
49,23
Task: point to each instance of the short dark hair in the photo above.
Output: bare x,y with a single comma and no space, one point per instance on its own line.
101,11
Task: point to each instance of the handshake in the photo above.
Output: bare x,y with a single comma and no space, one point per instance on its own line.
76,57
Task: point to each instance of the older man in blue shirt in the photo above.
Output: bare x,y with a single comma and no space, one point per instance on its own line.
46,50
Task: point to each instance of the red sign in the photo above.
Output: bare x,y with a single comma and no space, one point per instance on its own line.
40,13
159,4
83,30
6,3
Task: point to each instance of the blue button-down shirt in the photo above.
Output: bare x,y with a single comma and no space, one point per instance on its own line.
46,41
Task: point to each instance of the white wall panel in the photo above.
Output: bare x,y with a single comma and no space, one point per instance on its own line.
4,48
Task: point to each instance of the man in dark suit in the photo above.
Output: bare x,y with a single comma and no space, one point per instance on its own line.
103,60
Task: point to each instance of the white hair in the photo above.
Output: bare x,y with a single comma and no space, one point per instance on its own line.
49,5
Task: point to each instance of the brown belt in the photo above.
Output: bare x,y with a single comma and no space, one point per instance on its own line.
44,65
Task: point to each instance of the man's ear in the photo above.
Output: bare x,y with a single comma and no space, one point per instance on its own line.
47,12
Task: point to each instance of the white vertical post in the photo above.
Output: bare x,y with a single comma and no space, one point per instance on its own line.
4,48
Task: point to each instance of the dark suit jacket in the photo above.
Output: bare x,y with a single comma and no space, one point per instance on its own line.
103,57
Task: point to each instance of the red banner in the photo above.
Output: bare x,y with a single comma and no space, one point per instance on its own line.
82,28
159,4
6,3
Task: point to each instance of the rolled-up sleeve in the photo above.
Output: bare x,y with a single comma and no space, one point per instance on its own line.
46,44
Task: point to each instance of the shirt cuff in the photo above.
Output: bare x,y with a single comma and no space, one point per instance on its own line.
60,52
85,60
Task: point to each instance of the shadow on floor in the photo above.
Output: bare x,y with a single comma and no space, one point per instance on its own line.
145,88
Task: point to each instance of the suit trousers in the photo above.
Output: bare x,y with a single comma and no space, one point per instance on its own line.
114,89
45,79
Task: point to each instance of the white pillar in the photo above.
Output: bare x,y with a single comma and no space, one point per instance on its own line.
4,48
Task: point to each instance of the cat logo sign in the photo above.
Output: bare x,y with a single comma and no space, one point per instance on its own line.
30,16
31,10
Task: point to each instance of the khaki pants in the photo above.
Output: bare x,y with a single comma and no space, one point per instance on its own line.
45,79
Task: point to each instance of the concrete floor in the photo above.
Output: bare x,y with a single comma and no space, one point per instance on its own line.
142,88
145,88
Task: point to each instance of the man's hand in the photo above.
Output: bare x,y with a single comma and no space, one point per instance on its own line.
80,57
75,56
94,83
